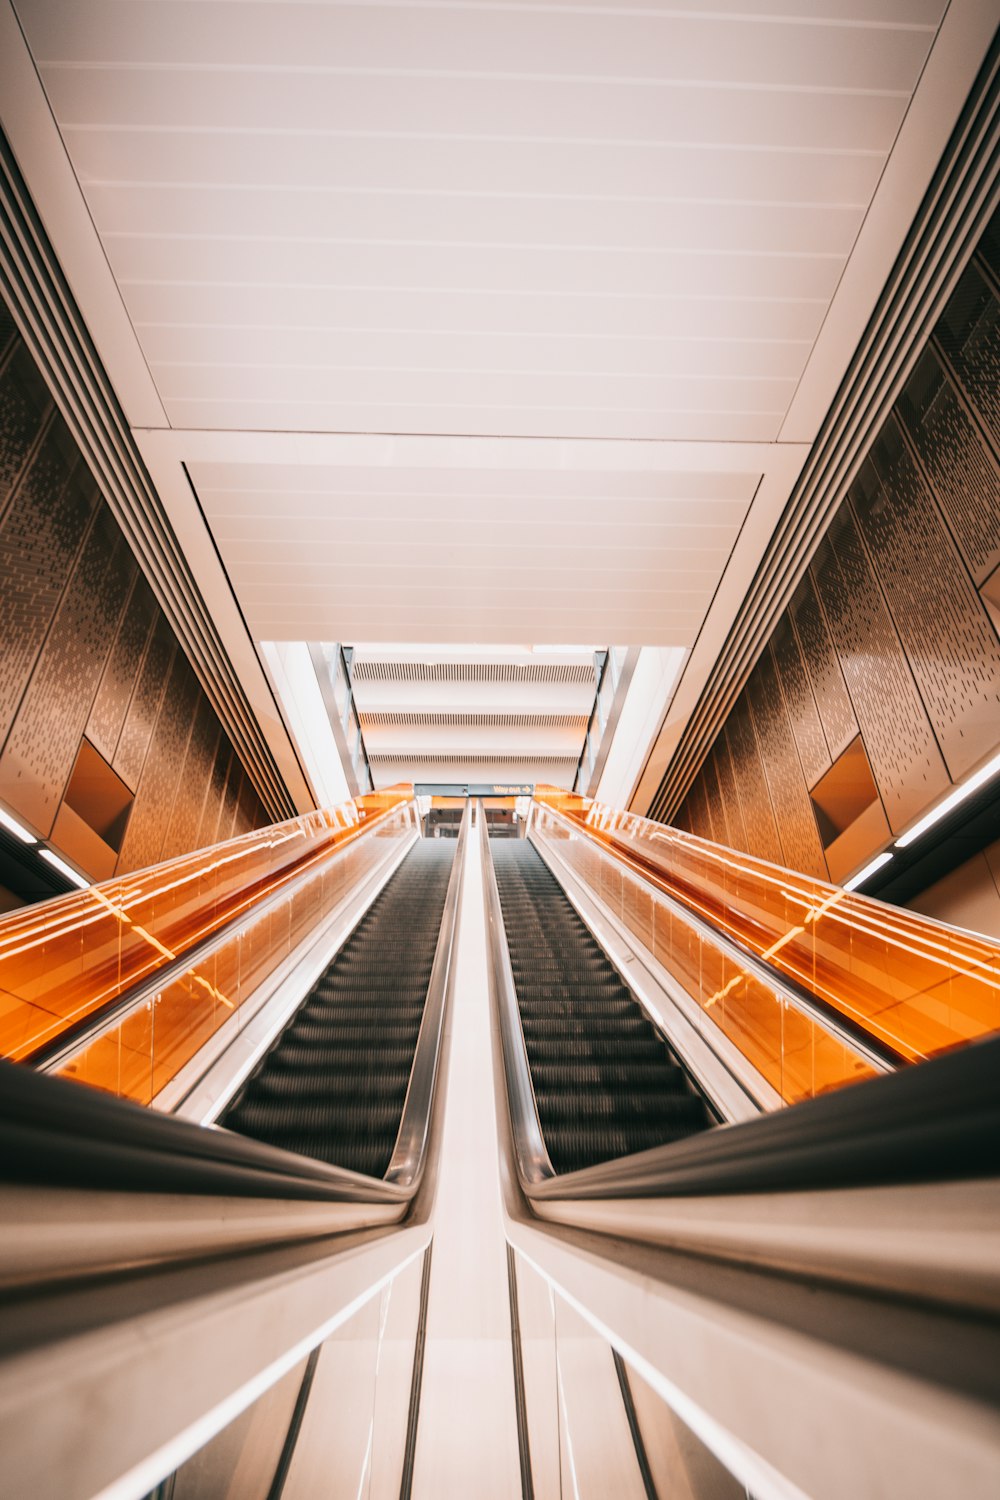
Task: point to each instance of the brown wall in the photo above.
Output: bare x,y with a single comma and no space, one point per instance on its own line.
892,634
86,651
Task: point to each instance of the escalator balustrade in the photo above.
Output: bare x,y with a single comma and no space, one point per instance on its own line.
333,1084
606,1083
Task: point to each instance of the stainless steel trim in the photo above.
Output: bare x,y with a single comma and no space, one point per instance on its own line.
533,1163
407,1162
882,1060
147,989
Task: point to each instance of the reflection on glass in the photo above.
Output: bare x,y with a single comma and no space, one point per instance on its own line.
240,1462
336,1424
65,961
915,985
679,1463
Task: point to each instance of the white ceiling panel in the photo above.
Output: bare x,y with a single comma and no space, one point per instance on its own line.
648,172
766,48
222,307
567,276
350,553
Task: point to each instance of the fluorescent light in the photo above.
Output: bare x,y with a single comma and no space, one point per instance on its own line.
869,869
64,868
14,827
952,800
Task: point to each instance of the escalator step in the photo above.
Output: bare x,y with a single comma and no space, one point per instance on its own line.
605,1082
333,1084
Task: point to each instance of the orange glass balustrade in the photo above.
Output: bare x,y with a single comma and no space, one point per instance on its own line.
914,985
65,962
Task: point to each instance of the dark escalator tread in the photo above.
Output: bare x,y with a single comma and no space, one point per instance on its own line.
333,1084
606,1084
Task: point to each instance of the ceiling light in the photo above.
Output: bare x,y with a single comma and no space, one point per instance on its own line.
869,869
14,827
64,868
959,795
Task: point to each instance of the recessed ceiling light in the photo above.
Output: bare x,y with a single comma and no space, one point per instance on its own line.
14,827
984,774
868,869
64,868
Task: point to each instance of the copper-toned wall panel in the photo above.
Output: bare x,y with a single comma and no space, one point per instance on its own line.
958,461
144,705
755,800
904,757
246,812
85,649
969,337
111,704
39,538
195,778
208,829
154,799
24,406
946,634
730,794
230,805
825,675
810,741
716,806
42,746
793,812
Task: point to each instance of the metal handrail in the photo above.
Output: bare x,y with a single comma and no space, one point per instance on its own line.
407,1161
55,1054
879,1055
534,1165
60,1132
938,1121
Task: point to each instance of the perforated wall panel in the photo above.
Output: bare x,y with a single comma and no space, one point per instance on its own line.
887,635
716,806
951,645
800,845
968,336
195,780
24,407
215,796
833,701
154,800
107,716
41,748
39,539
730,794
755,800
807,727
86,649
959,463
905,760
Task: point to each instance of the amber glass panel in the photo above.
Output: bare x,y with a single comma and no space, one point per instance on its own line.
138,1055
917,986
65,961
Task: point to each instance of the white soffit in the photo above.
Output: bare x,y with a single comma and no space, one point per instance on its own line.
438,713
479,321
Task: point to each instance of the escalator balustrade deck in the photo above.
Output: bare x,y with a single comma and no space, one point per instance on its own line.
333,1084
606,1083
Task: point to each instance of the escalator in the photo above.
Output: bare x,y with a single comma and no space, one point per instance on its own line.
606,1083
333,1084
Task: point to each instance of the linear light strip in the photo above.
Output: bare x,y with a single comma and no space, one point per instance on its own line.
14,827
954,799
65,869
868,869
